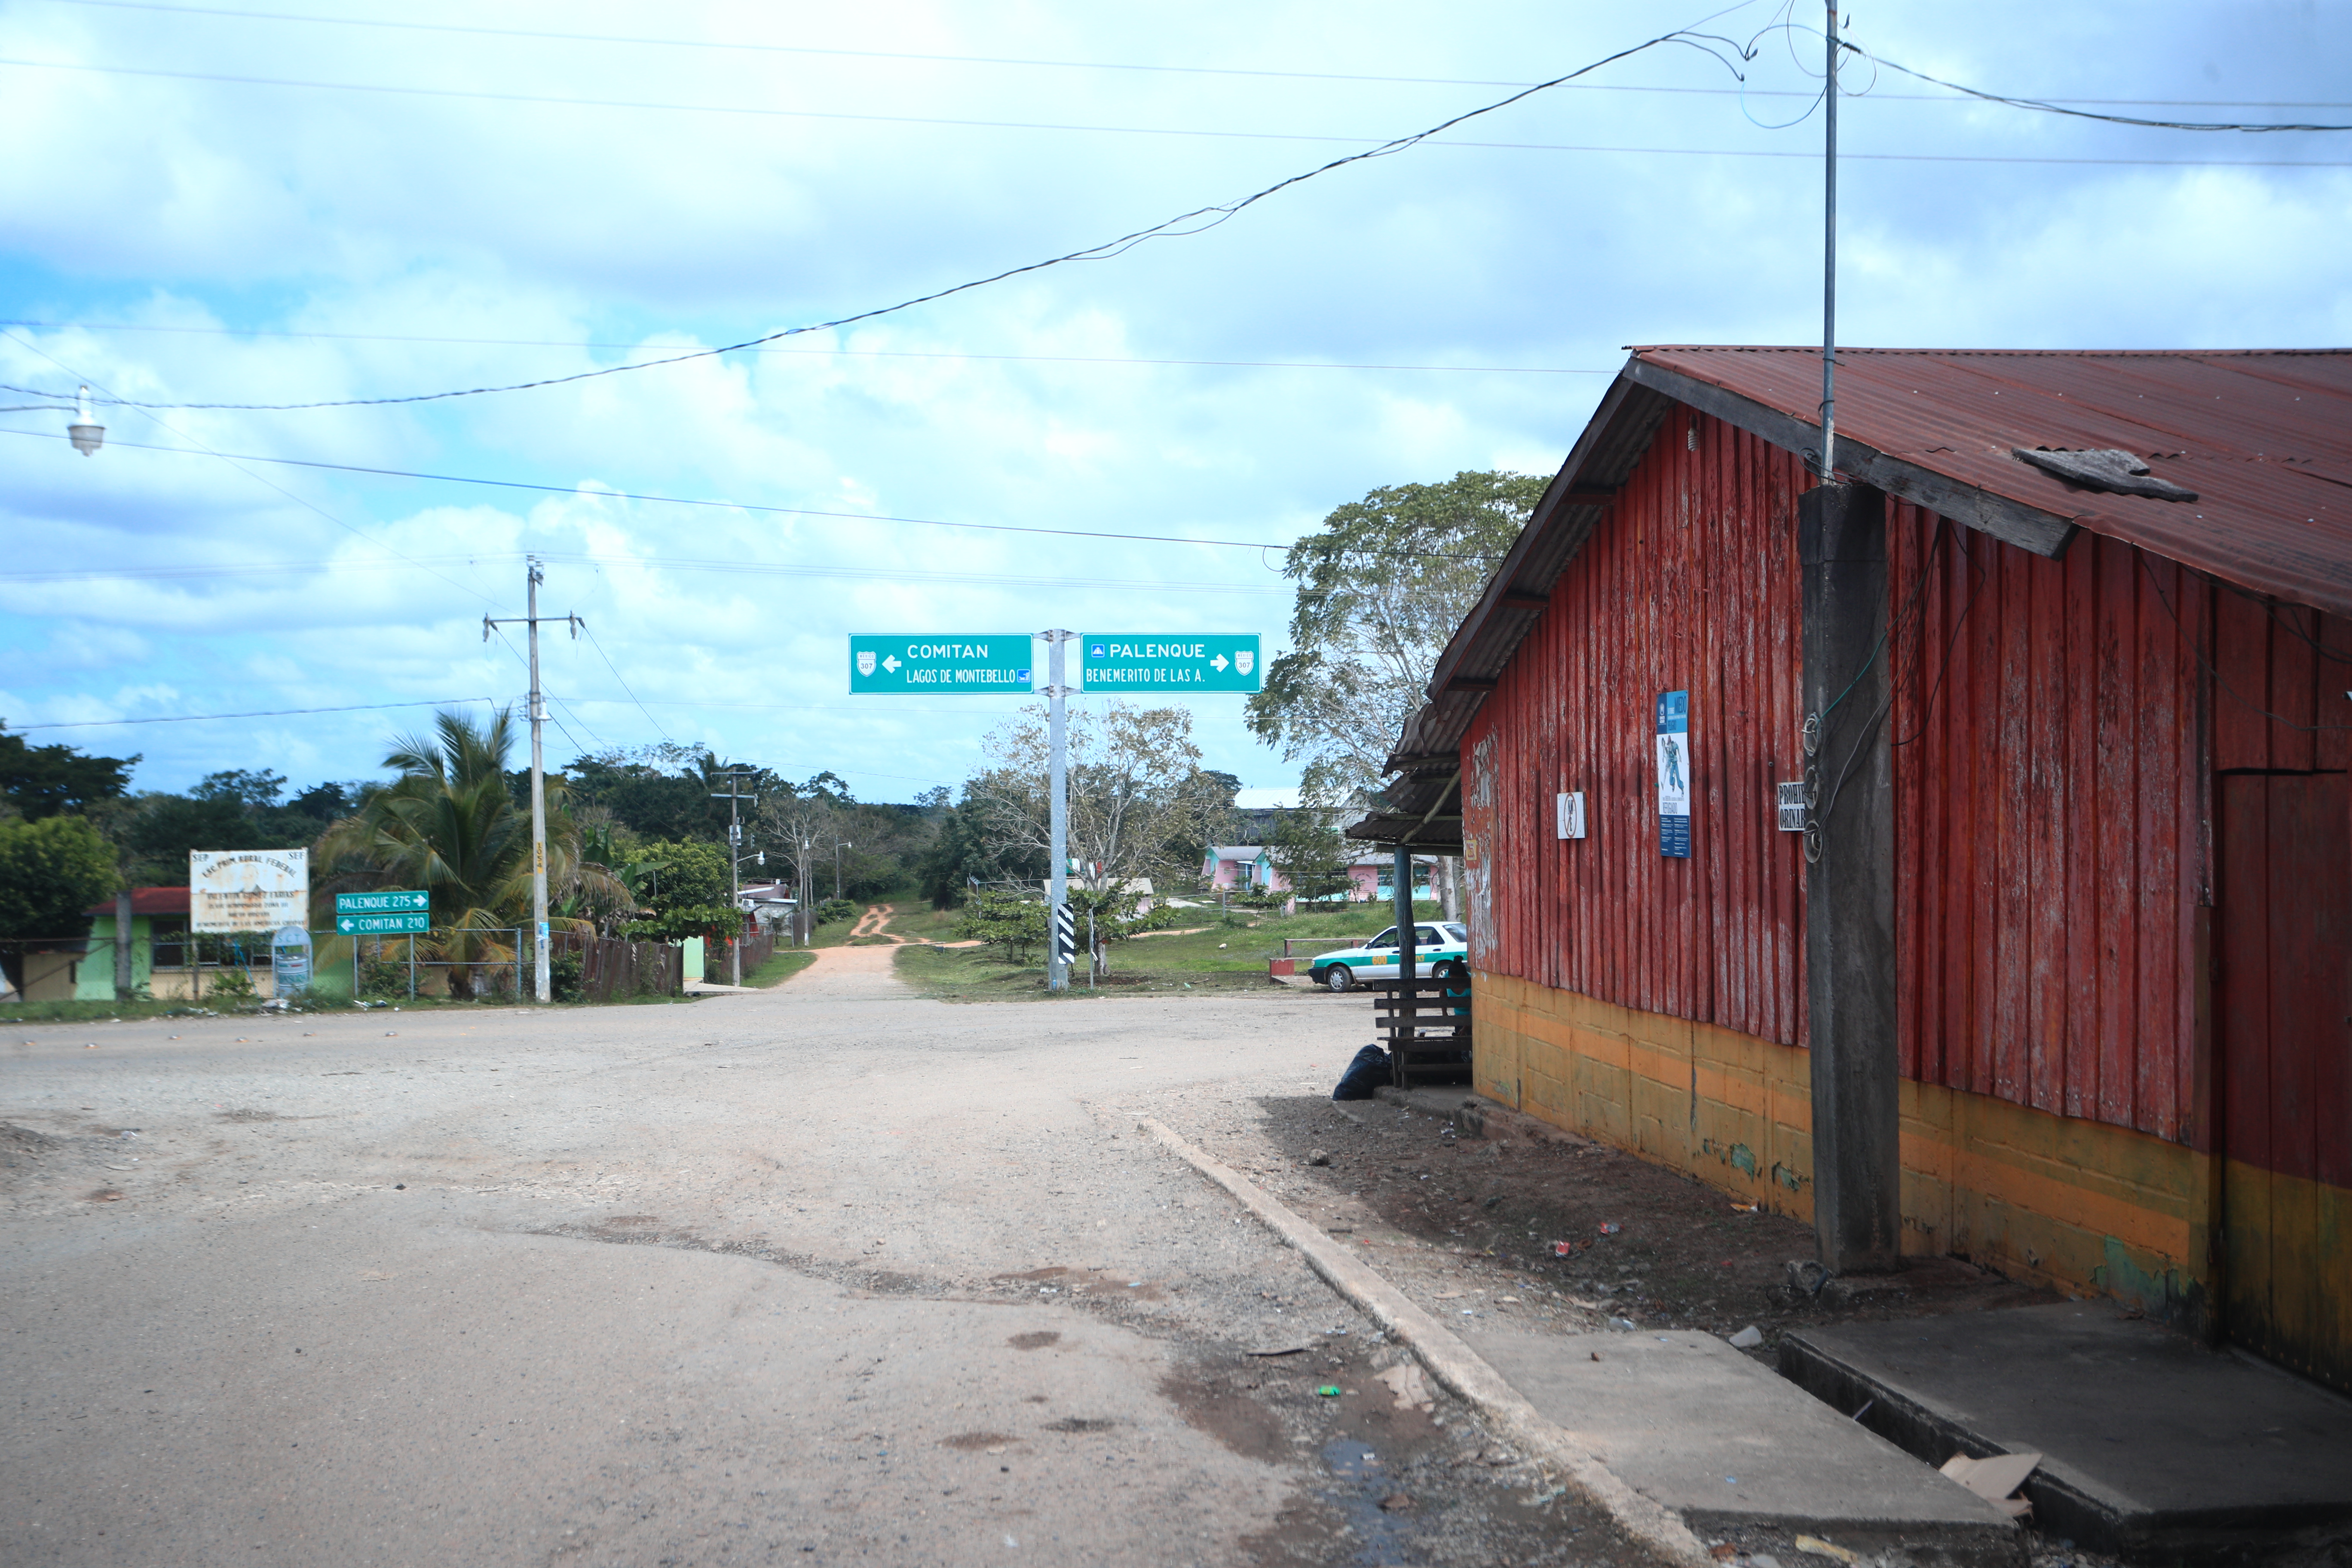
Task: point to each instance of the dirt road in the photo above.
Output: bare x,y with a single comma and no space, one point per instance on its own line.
822,1274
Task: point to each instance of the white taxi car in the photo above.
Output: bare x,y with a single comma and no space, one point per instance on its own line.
1435,944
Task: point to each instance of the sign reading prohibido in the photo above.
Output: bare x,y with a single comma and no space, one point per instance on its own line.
1673,774
249,890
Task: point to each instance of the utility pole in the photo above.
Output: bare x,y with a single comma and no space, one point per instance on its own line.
1057,962
838,846
1828,261
734,800
543,987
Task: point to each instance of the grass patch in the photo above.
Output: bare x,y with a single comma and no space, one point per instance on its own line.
782,965
1227,955
981,974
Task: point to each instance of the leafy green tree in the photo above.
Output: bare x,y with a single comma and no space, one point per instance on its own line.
50,781
1307,848
1013,922
963,852
449,824
1382,586
51,871
684,873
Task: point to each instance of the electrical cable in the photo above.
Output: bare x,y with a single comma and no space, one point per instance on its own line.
234,462
1199,220
263,713
832,353
1976,584
2210,670
734,506
734,46
1893,632
625,684
2046,106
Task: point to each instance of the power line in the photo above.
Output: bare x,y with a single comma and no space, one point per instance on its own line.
576,491
624,685
767,112
1197,221
235,463
740,47
819,353
264,713
2050,106
640,563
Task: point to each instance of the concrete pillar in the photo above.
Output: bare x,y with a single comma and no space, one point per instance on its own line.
123,983
1850,887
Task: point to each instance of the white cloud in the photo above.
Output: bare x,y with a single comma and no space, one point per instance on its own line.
398,243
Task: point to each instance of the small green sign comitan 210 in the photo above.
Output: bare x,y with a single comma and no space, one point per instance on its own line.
1434,945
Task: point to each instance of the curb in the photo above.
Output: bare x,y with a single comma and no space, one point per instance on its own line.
1453,1363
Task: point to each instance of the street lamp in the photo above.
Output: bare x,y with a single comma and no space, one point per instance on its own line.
838,846
86,433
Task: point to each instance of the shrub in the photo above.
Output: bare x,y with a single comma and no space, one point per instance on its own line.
567,970
232,986
833,909
383,977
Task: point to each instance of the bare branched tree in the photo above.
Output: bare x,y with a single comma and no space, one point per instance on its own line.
1139,804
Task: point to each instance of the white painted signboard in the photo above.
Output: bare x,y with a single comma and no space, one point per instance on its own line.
249,890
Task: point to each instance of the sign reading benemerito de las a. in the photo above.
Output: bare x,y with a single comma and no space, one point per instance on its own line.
939,664
1133,661
249,890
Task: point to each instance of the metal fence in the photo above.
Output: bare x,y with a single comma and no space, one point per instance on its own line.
178,967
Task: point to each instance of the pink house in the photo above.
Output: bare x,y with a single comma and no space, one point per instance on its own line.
1250,868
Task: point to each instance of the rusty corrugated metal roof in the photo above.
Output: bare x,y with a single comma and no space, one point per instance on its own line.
2263,437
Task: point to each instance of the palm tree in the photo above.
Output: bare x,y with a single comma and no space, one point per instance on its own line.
449,824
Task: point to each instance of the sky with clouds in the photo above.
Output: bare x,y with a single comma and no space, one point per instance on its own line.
291,201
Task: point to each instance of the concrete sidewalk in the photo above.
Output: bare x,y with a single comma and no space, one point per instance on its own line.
2153,1445
1722,1441
1677,1425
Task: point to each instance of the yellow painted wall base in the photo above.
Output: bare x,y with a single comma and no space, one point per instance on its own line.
2080,1205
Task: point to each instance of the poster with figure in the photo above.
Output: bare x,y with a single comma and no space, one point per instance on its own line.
1673,774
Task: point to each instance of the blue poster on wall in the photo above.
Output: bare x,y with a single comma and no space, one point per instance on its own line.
1673,774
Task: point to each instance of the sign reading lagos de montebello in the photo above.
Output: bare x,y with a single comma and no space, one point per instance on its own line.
1125,661
942,664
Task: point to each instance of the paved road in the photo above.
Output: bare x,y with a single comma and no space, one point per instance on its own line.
823,1274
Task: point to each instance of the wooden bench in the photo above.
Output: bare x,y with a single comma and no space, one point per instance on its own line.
1424,1025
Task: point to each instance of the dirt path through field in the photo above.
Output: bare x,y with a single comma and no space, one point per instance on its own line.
871,922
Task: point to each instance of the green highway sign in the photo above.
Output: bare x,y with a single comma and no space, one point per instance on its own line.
1128,662
939,664
386,903
382,925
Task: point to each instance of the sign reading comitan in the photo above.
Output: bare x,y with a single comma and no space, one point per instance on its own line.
1128,662
392,913
249,890
941,664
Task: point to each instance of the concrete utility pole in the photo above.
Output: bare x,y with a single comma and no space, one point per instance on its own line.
1057,962
735,863
543,987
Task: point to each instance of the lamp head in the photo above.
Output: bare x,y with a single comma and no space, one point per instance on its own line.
86,433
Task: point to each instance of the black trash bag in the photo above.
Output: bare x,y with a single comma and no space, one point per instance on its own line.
1370,1070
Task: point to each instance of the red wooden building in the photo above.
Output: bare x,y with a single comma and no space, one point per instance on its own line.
2110,714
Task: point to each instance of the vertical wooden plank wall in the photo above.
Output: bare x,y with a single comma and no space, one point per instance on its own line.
1688,583
2056,730
2053,807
